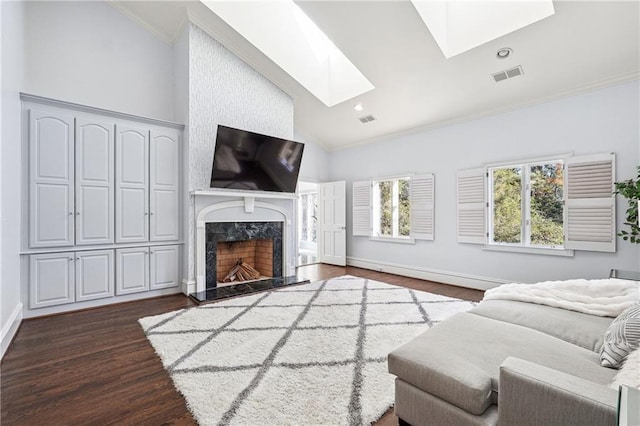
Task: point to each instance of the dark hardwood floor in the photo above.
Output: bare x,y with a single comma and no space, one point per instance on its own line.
96,366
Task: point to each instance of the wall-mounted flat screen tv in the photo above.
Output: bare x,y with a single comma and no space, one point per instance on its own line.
251,161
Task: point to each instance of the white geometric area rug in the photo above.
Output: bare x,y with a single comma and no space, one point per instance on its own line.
314,354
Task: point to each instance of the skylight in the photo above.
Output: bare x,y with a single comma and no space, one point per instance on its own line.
459,25
283,32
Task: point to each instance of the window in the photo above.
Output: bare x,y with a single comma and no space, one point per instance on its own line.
526,204
539,206
391,208
396,209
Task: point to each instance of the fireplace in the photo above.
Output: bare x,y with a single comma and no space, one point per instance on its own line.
259,244
224,216
237,259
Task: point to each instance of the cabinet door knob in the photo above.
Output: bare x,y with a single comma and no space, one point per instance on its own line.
71,258
78,213
151,213
146,214
70,213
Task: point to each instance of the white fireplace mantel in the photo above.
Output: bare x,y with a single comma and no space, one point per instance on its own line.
238,193
249,196
213,202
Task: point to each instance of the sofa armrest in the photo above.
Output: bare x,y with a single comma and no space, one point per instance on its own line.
531,394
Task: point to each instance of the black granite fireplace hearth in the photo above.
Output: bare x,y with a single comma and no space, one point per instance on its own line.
214,294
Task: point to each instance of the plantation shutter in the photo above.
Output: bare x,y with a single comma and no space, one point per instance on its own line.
590,213
471,212
362,208
422,200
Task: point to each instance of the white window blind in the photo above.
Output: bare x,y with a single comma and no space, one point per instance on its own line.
590,205
471,208
422,201
362,208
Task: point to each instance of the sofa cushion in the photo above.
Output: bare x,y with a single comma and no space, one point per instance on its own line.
581,329
459,359
622,337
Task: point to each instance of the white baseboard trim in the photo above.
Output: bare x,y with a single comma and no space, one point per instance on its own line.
445,277
9,329
188,286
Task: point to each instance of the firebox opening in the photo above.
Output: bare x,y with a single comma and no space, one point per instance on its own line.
242,261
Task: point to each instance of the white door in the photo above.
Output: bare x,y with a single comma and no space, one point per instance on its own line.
94,275
165,267
51,169
164,178
94,182
51,279
132,175
332,214
132,270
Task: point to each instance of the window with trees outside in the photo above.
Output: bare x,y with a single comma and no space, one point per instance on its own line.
391,208
526,204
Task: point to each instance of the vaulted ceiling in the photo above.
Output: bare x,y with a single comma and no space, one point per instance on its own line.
584,45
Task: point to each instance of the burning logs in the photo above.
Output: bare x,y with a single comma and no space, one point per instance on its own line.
241,271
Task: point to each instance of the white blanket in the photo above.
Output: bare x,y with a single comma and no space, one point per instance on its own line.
605,298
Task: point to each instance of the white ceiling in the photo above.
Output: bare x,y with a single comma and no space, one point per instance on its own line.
584,45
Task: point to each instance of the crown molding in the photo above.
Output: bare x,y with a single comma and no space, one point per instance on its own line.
144,24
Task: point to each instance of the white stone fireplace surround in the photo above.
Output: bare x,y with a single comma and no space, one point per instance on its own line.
244,206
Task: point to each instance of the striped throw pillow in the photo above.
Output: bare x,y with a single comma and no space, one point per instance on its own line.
621,338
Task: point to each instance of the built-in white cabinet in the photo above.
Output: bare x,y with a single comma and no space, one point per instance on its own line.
147,268
132,266
132,184
165,266
51,175
71,174
164,185
147,184
98,181
104,188
51,279
95,275
59,278
94,188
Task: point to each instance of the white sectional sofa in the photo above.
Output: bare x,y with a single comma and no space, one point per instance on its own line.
506,363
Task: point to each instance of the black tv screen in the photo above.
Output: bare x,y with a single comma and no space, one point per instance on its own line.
251,161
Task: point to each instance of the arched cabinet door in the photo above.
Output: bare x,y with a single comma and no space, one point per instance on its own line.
94,182
164,185
132,189
51,177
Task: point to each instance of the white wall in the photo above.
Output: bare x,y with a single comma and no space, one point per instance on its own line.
601,121
90,53
12,63
315,161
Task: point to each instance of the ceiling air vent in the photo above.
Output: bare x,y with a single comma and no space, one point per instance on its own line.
366,118
510,73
